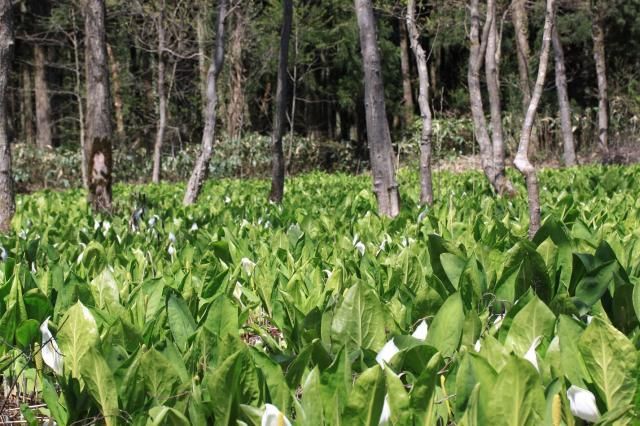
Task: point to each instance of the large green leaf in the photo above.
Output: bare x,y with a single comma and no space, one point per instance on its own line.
446,329
105,290
611,360
359,321
181,321
534,320
96,373
517,398
365,402
78,333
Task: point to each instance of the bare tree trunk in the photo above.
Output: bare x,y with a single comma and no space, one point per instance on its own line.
563,100
521,161
380,149
78,95
199,173
162,101
117,92
476,53
597,33
278,166
407,93
99,131
43,105
492,63
236,107
27,106
202,57
521,27
7,201
426,184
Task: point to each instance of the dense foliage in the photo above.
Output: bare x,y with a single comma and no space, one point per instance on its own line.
188,315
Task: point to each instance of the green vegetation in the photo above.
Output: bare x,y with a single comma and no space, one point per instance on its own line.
210,312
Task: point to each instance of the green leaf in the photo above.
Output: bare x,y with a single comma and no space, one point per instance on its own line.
364,405
78,333
359,321
591,288
57,408
163,415
96,373
105,290
180,320
610,359
160,376
534,320
422,395
446,329
517,398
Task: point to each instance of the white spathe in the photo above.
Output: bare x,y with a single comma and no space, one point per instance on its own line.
421,331
477,346
360,247
51,354
531,352
385,415
583,404
273,417
248,265
387,352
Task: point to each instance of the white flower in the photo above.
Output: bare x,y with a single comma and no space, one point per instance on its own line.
327,273
273,417
247,265
421,331
172,237
423,214
22,234
3,254
96,225
385,415
152,220
227,200
388,351
237,291
531,353
194,227
360,247
50,352
106,226
498,321
477,346
171,250
583,404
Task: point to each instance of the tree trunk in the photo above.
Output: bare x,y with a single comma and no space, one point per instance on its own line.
521,161
476,53
202,57
162,102
426,185
199,173
27,106
380,149
99,131
117,92
277,174
78,95
521,28
563,100
236,107
597,32
43,106
7,201
492,63
406,75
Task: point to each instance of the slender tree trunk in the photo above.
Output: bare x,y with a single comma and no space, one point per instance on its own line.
202,56
236,107
278,166
162,101
492,64
522,162
99,131
27,106
563,100
521,28
407,93
597,33
43,105
380,149
199,173
426,184
478,47
117,92
7,201
78,95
